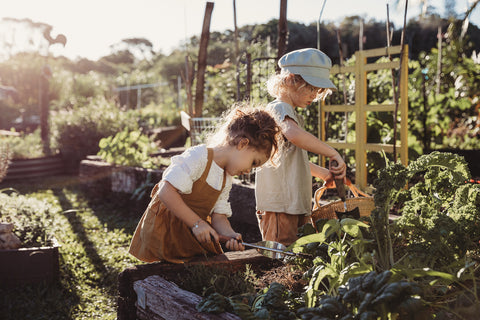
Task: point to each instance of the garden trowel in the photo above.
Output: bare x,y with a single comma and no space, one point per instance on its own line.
355,212
270,249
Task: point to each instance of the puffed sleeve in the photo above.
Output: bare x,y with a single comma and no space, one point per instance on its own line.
186,168
281,110
222,206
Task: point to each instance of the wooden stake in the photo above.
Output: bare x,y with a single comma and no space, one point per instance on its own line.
237,57
202,60
282,29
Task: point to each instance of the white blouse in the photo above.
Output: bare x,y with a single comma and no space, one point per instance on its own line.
188,167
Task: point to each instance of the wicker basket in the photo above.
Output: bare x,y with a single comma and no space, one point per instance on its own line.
365,204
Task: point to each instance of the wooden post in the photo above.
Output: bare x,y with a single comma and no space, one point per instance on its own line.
248,87
202,60
43,103
439,61
282,29
237,57
404,105
188,79
360,36
361,119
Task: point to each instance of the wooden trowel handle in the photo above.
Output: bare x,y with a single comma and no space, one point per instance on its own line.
339,184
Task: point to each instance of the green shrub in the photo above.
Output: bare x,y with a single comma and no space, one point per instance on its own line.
127,148
25,146
31,217
157,115
77,132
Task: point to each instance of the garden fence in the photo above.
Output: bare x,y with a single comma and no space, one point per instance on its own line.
361,107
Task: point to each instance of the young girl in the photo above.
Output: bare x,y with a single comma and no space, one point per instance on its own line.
189,207
284,194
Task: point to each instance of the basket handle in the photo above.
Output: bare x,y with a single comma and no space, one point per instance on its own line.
355,190
320,191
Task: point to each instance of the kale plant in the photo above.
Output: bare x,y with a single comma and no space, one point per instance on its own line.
438,211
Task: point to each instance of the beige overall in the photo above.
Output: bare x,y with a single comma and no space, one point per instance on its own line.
160,235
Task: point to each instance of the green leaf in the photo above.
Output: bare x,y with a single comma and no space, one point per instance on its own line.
316,237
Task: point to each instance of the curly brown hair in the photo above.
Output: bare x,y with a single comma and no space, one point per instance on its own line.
254,124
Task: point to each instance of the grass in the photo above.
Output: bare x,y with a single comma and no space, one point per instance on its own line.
94,235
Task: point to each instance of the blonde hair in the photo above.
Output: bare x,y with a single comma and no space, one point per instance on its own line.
253,123
278,84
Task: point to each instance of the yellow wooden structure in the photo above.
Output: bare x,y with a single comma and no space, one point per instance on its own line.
361,107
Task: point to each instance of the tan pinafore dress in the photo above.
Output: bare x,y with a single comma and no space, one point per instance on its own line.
160,235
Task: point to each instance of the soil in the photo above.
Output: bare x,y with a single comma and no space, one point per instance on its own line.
291,276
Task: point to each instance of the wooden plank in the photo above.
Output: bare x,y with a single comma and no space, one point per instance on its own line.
382,66
380,52
339,108
158,298
336,69
379,107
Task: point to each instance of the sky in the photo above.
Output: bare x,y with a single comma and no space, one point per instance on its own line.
92,26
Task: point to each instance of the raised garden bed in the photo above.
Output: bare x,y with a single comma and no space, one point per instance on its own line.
35,167
101,177
150,289
29,265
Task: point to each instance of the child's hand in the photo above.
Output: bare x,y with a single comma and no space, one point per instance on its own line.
204,232
340,170
235,243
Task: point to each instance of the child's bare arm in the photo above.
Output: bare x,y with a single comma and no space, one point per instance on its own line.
320,172
169,195
309,142
221,224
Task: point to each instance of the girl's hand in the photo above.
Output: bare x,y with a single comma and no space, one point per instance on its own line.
329,182
340,170
235,243
232,241
204,232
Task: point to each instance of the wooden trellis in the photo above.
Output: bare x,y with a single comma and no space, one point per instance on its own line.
361,107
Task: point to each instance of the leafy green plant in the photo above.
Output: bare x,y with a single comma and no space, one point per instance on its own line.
25,145
127,148
5,155
438,211
76,132
369,296
345,256
268,304
31,218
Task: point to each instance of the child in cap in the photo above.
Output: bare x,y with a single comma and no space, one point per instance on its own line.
284,194
189,209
